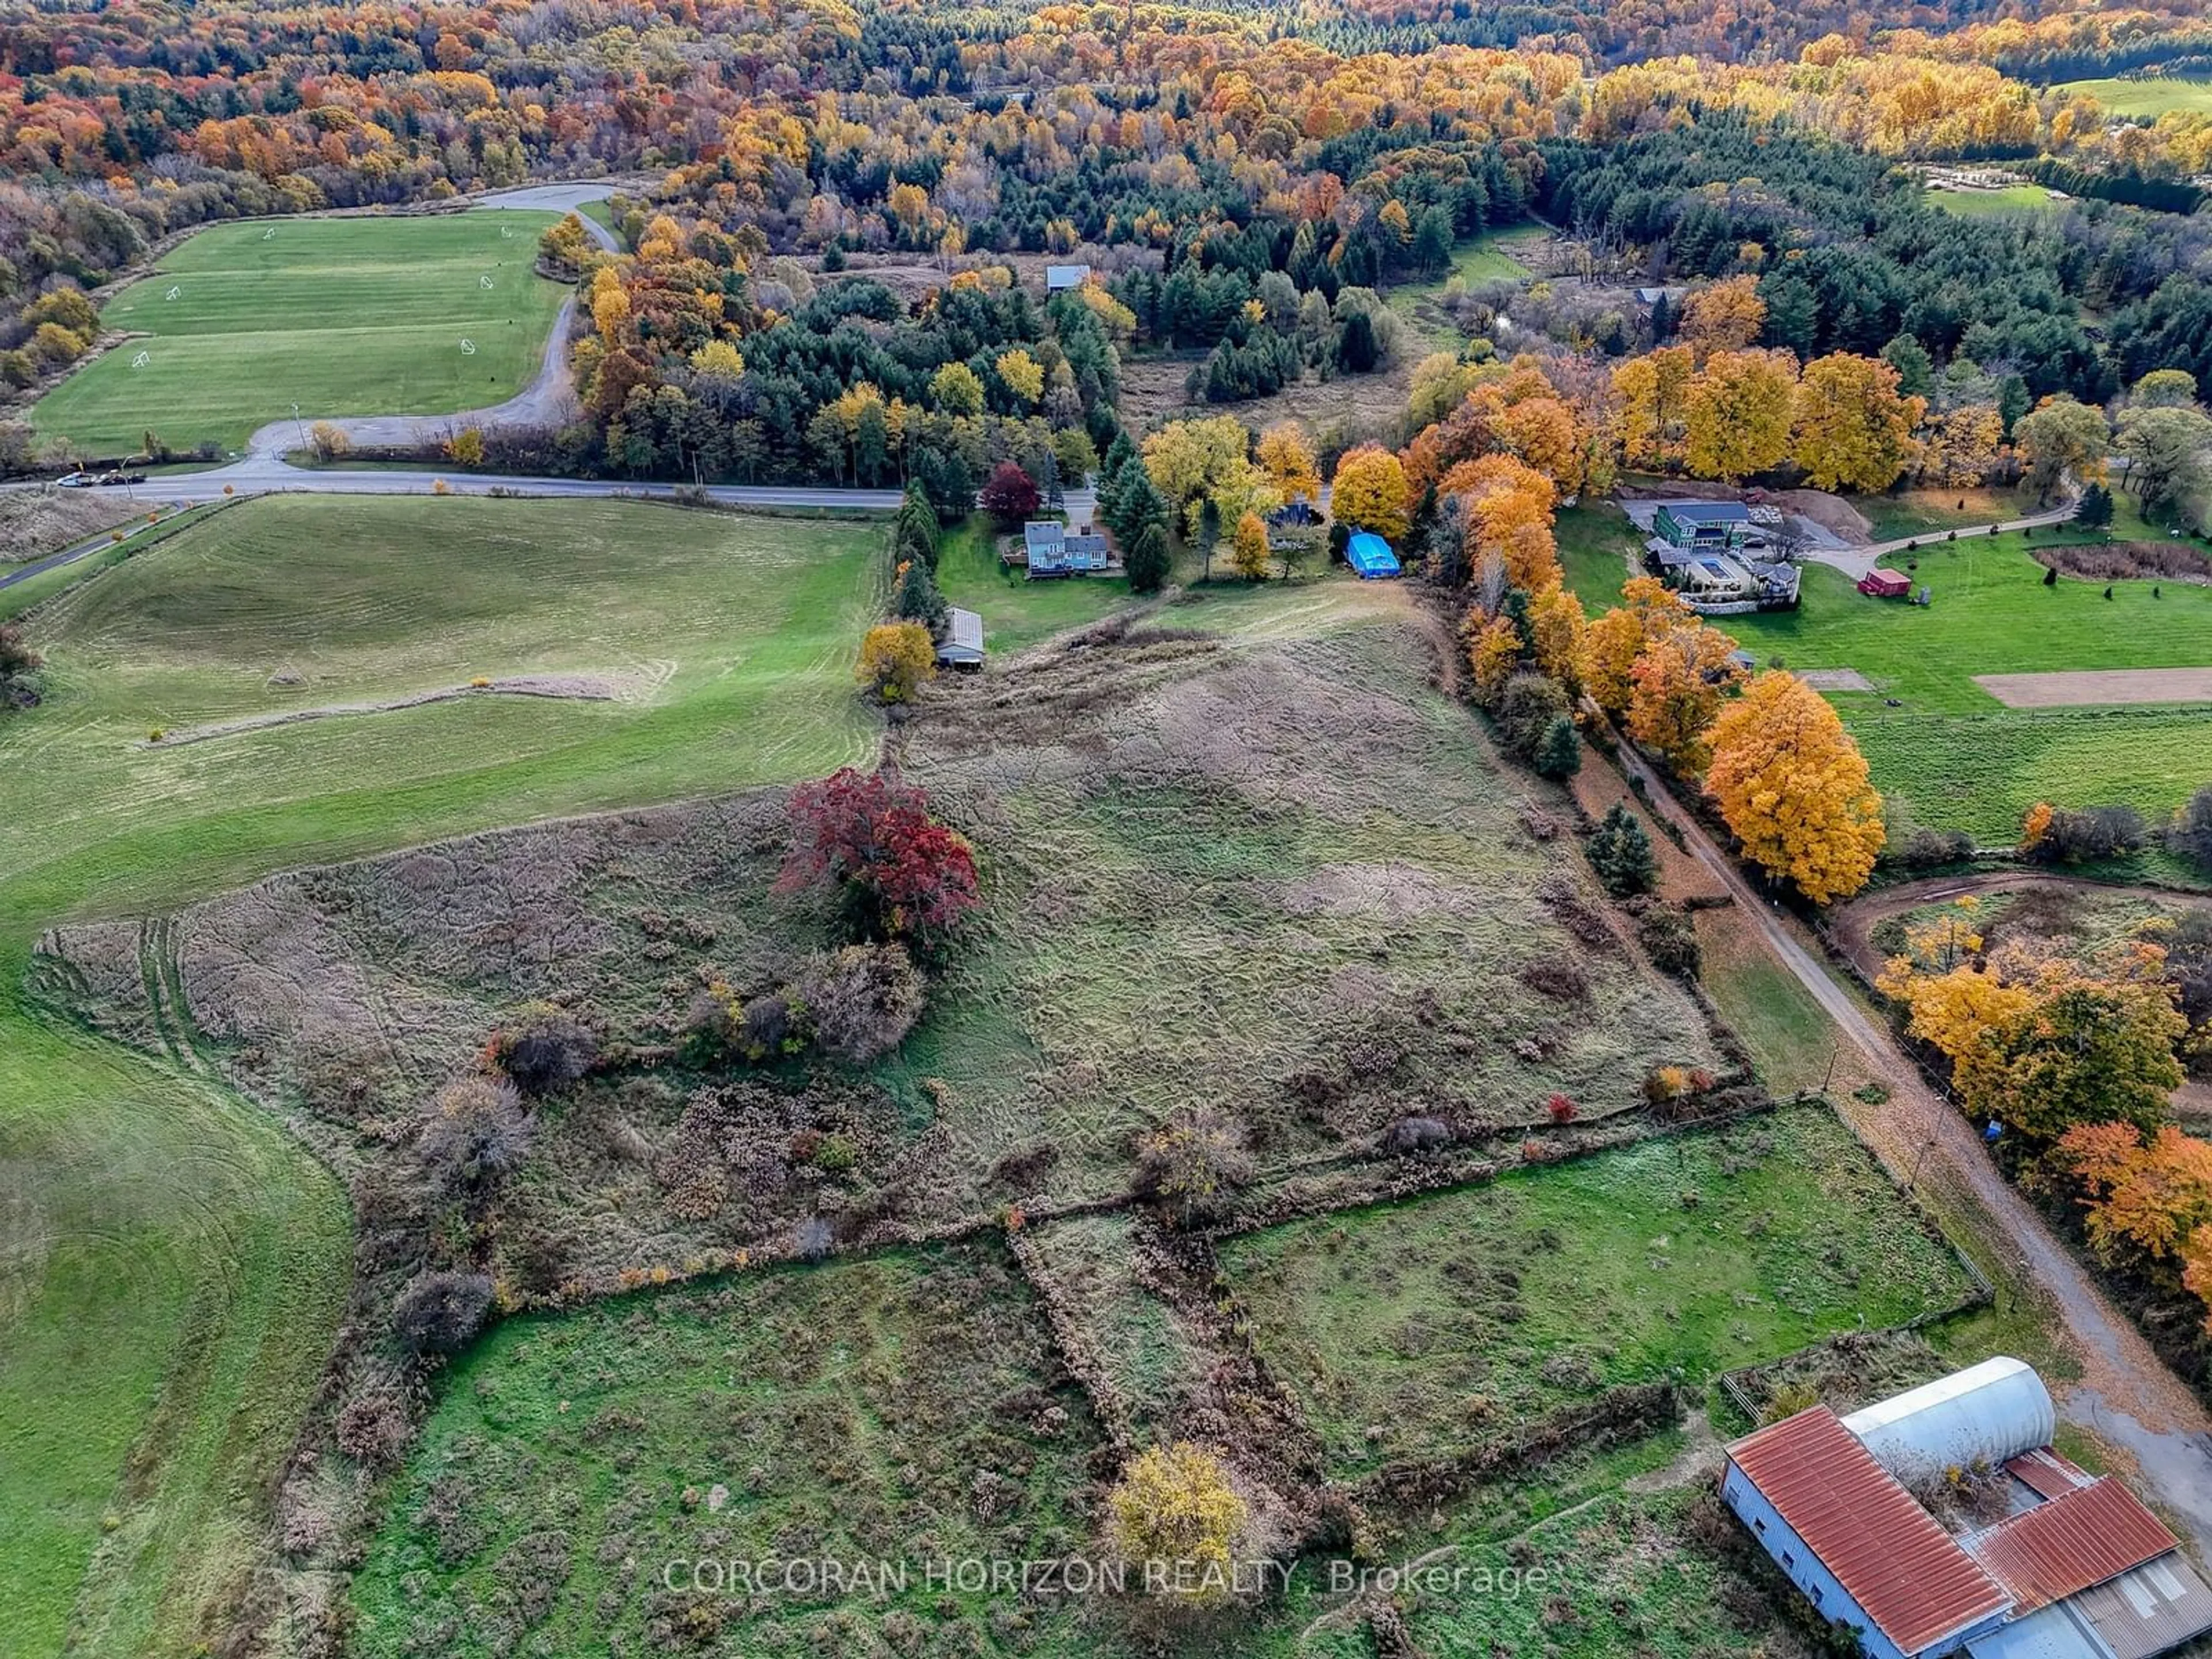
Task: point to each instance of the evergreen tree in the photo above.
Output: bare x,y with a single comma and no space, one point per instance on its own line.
2094,511
1147,558
1559,752
917,598
1620,854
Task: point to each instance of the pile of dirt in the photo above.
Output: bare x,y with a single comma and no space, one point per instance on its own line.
1831,513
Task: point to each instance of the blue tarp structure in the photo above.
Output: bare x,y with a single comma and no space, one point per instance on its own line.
1370,555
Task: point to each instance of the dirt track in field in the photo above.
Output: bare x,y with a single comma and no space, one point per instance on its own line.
2075,689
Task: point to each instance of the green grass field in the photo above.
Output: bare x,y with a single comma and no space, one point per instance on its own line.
1486,258
1991,204
172,1266
1596,543
362,316
1414,1328
1017,612
1951,754
2149,97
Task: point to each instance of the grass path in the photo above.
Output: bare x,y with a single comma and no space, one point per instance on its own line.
352,316
171,1264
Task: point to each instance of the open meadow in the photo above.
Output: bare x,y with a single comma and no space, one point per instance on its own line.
1433,1325
1949,753
174,1263
342,316
1993,204
2145,96
1238,847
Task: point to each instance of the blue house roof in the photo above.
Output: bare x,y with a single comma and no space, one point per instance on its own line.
1370,555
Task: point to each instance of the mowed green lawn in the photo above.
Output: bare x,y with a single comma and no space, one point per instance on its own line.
172,1266
1951,754
1989,203
2149,98
364,316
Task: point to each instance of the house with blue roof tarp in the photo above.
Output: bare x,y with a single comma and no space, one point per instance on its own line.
1370,556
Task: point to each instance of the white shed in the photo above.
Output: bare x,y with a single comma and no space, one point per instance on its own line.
1982,1416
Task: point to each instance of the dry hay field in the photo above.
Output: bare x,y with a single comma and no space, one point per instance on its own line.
39,520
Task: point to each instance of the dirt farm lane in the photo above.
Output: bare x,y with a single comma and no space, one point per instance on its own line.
2125,1395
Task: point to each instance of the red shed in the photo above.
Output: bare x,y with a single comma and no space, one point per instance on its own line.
1885,583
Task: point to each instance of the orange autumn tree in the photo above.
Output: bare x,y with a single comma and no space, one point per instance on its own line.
1509,516
1612,644
2155,1193
1679,679
1725,317
2047,1042
1792,787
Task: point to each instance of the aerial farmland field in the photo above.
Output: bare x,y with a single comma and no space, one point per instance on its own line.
1948,752
342,316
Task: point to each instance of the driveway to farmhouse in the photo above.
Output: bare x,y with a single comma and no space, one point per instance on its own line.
2125,1395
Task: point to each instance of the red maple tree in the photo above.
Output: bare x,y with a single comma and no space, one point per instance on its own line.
873,836
1009,495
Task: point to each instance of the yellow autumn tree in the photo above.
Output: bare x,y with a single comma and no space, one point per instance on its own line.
1248,548
1725,316
1558,630
1850,430
1370,492
1285,457
1963,448
1679,679
1791,786
1021,372
1736,413
1175,1515
896,659
1654,392
957,391
1493,652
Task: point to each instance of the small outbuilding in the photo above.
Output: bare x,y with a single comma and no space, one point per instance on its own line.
1985,1415
962,644
1883,583
1063,279
1371,557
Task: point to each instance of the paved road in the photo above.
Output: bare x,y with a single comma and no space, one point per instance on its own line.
2126,1395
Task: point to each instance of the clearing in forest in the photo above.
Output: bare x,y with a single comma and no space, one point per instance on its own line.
405,315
